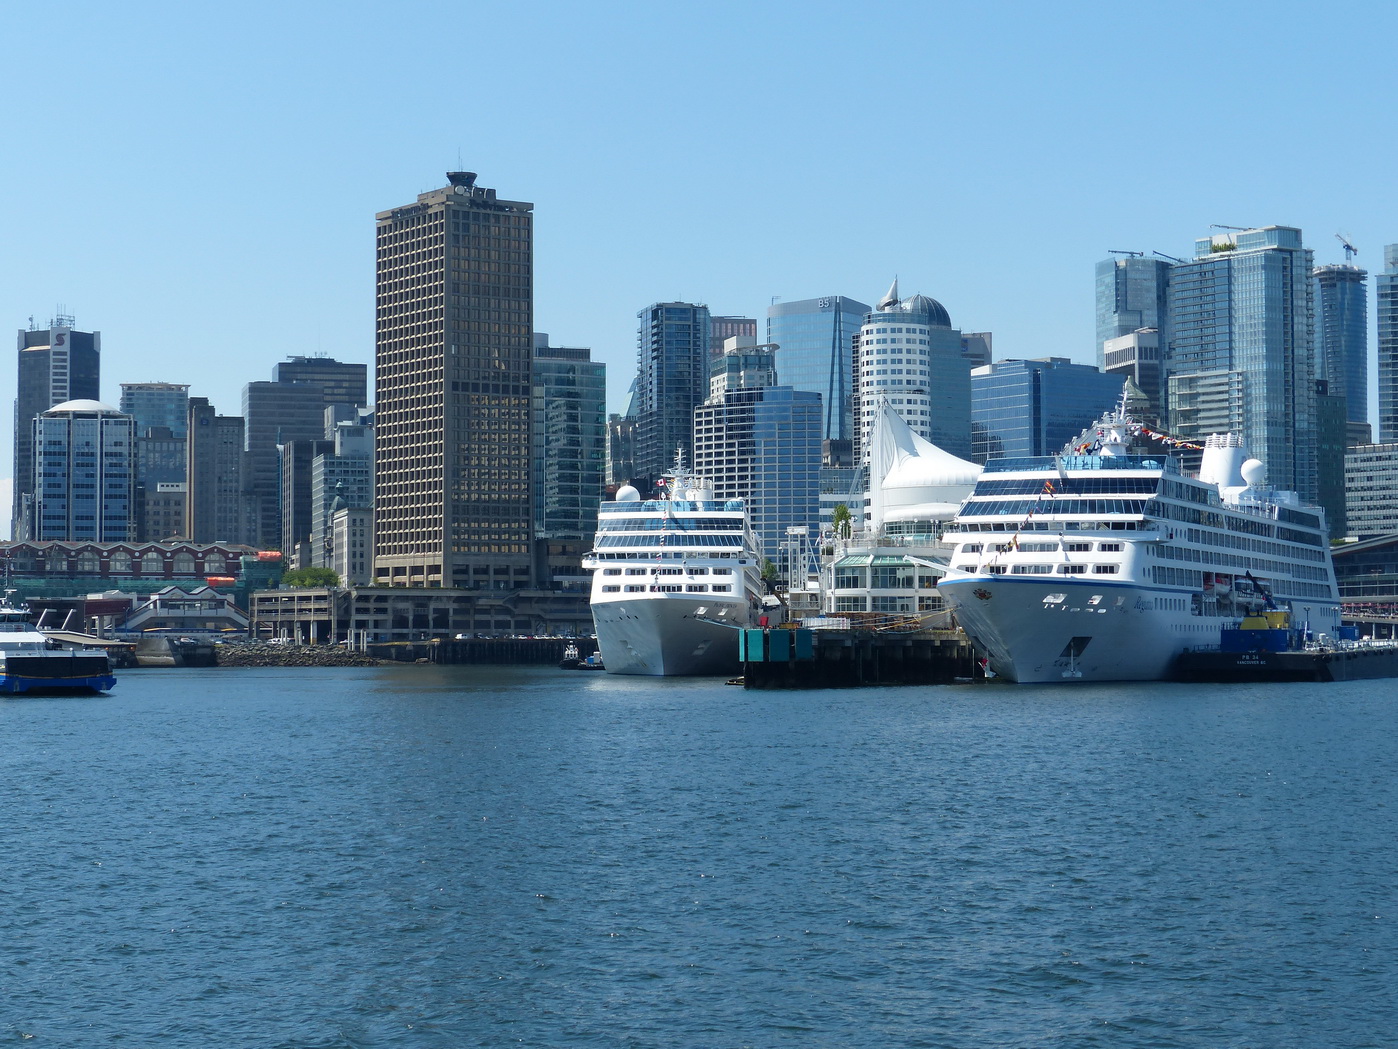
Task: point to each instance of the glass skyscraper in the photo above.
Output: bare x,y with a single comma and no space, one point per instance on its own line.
816,338
1021,408
56,364
1133,322
672,377
762,445
1342,336
569,421
1242,340
1387,287
1132,293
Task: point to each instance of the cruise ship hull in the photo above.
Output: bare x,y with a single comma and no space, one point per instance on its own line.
661,635
1096,632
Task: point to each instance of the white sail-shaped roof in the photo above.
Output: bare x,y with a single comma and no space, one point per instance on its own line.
909,476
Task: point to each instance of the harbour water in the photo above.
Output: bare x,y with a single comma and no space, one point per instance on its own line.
461,856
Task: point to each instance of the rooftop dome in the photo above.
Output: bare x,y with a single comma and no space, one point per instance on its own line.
96,407
937,315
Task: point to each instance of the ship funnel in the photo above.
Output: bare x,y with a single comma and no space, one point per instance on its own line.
1222,464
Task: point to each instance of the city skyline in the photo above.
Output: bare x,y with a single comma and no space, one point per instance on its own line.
206,266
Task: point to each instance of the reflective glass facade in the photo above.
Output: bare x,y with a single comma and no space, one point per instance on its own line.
84,476
1021,408
816,339
763,446
56,364
157,404
1132,293
1342,336
672,377
1387,298
1245,305
570,440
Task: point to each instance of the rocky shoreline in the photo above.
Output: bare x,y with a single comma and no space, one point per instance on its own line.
257,654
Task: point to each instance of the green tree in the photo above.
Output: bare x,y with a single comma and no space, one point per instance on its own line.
311,577
840,518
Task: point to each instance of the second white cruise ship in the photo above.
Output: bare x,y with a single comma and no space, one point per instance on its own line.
673,579
1099,565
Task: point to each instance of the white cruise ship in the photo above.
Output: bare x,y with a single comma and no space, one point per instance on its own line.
1098,565
672,580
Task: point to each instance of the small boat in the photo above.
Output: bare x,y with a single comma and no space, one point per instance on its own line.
571,660
30,662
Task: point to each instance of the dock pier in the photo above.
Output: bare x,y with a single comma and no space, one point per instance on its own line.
851,658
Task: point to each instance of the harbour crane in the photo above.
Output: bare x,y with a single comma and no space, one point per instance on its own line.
1350,250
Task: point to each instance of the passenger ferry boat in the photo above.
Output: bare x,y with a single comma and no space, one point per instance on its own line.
1099,565
674,578
28,663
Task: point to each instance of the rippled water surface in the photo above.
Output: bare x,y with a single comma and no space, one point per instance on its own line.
457,856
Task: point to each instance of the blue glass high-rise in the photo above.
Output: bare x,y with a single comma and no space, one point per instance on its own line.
1242,349
1022,408
1342,336
1386,286
672,377
816,337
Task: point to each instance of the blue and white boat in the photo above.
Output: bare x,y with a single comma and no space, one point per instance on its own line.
30,662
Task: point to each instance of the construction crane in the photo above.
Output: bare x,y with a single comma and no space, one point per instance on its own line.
1240,229
1164,256
1133,254
1350,250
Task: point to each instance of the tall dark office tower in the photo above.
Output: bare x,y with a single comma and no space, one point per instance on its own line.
1386,286
56,364
341,383
214,507
1342,336
454,345
289,408
672,378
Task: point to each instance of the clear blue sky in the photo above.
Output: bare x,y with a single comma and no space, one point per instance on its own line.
199,182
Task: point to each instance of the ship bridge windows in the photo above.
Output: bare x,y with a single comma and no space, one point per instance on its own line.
670,524
661,540
1060,505
1068,486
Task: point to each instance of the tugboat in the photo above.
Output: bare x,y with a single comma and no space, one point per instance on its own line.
572,661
